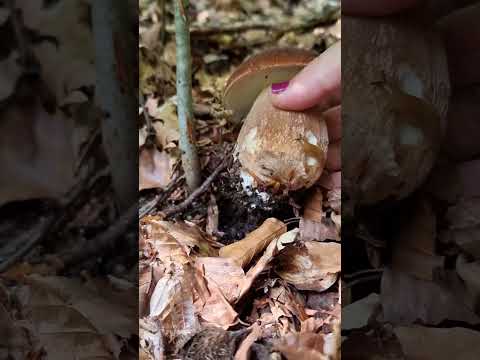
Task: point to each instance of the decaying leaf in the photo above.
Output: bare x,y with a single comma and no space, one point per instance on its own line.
314,266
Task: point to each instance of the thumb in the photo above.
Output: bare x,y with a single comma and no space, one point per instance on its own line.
318,84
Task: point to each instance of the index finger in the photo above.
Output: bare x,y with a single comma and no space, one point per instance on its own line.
318,84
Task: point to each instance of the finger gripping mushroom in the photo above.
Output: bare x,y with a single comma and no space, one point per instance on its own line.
277,149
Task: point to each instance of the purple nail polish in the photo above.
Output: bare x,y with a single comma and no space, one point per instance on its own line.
280,87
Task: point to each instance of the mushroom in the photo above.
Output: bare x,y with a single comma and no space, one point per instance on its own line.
395,97
277,149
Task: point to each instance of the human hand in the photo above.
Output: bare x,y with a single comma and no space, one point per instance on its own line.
317,85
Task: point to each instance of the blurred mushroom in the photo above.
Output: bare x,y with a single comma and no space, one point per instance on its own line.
395,98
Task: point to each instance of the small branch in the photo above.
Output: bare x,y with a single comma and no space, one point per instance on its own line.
190,162
30,239
149,206
283,27
182,206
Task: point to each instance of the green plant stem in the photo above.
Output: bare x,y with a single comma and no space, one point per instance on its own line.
190,163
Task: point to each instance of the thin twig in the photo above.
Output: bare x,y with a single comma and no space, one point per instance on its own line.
149,206
361,280
182,206
361,273
102,242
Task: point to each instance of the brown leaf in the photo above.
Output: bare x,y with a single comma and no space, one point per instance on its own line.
212,216
226,274
36,153
272,249
420,232
420,342
331,181
313,207
326,229
334,200
216,310
466,239
188,235
155,168
243,251
312,267
306,346
90,314
465,213
417,264
420,300
243,351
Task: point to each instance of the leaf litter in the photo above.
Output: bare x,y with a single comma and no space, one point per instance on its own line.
62,295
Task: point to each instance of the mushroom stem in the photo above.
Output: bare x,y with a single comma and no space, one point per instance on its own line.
190,163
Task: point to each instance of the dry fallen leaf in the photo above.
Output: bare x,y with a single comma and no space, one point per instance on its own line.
357,314
464,214
313,207
226,274
420,300
420,342
84,319
155,169
314,266
306,346
420,232
36,153
270,252
243,251
243,350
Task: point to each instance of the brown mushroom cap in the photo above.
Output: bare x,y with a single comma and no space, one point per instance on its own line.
260,71
283,150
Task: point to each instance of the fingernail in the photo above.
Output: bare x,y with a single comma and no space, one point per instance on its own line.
280,87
